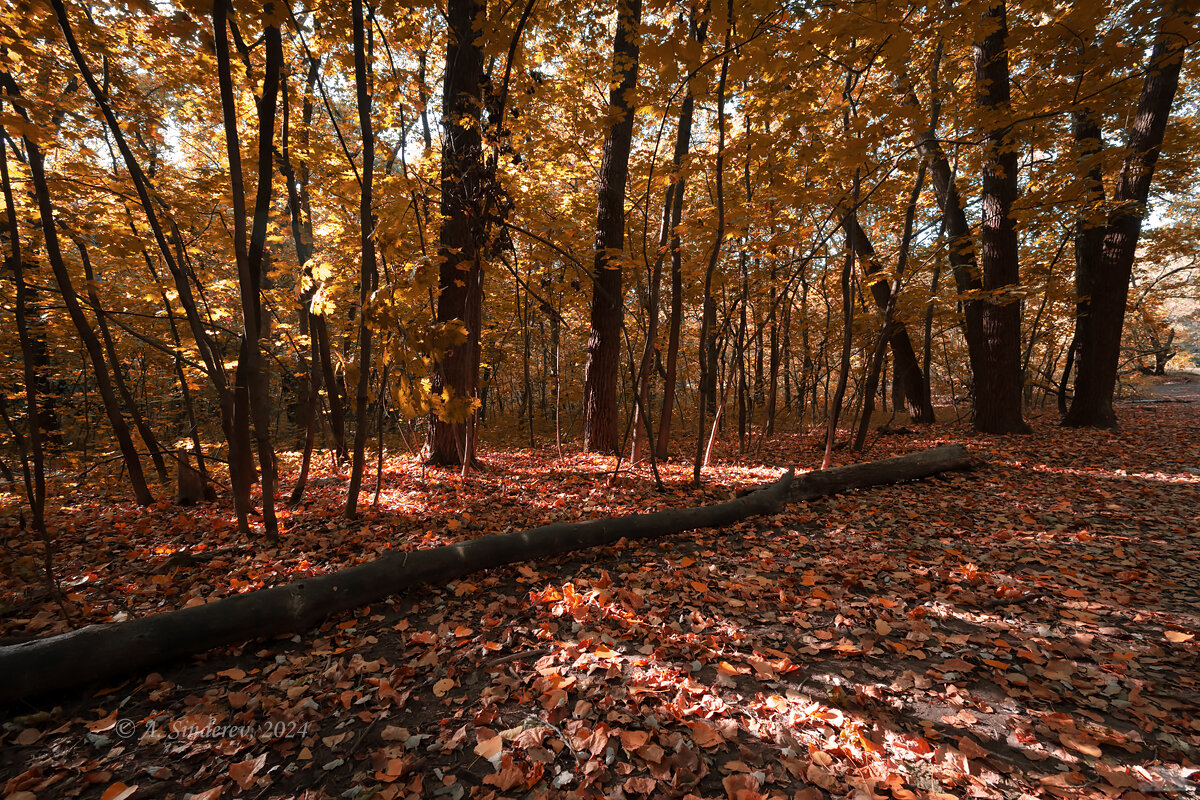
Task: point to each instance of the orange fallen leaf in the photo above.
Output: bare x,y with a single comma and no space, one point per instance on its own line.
632,740
103,724
490,749
970,748
705,734
243,772
118,791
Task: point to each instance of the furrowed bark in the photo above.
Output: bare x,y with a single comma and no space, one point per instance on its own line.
998,379
608,302
1104,287
460,276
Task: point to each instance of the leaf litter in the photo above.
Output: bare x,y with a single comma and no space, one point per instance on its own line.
1027,629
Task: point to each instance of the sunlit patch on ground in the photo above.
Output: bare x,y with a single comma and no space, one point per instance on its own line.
1029,629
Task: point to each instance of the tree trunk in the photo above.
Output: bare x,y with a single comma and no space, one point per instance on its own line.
839,393
708,317
909,374
608,301
34,467
961,245
668,239
369,272
251,378
1101,311
998,383
135,413
210,354
683,138
460,277
137,480
115,649
296,180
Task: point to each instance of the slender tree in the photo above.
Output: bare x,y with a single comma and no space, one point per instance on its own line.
91,343
251,378
34,466
683,140
369,272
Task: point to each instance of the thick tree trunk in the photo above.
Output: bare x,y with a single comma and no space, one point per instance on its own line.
898,469
608,300
1101,311
116,649
999,382
460,277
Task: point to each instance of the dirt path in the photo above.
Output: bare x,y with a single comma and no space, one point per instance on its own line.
1181,386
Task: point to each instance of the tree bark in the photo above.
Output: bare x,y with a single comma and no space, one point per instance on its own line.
909,374
668,240
460,277
95,354
207,348
115,649
961,247
369,272
839,392
998,382
251,379
683,137
153,446
34,467
1104,288
608,301
708,315
296,180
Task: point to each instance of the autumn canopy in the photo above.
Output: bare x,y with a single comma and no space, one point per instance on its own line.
347,278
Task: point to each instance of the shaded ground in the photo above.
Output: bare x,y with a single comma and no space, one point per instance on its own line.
1027,629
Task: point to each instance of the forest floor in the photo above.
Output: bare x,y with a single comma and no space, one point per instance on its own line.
1026,629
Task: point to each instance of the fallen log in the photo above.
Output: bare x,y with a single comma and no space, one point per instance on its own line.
909,467
104,652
